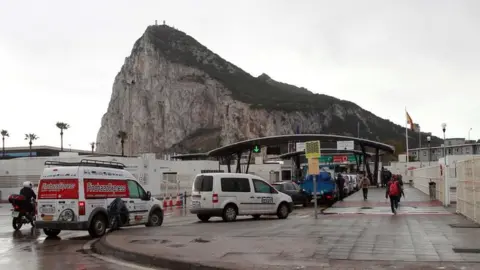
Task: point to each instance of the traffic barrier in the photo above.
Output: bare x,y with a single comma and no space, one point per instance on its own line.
165,203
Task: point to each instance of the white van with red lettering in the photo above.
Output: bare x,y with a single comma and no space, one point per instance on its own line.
76,196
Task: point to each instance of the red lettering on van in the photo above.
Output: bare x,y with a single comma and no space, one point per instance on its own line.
58,189
95,188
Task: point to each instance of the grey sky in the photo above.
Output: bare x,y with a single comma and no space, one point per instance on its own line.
59,58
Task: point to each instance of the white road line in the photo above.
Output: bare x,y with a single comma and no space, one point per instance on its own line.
88,248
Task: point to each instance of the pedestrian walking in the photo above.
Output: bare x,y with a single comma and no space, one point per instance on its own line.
364,184
393,191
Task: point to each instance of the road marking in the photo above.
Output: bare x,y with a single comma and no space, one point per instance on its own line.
88,249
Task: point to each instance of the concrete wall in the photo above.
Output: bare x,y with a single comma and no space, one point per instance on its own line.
149,172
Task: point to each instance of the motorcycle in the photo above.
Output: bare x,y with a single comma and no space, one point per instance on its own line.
20,214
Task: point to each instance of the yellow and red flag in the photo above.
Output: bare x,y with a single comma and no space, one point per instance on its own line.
410,121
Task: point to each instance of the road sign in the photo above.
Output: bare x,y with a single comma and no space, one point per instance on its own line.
345,145
312,149
313,166
300,146
340,159
326,159
257,149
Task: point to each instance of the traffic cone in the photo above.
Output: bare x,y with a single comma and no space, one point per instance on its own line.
165,203
170,203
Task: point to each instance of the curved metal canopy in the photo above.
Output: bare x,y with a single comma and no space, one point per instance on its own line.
280,139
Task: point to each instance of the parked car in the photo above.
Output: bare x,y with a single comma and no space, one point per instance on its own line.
299,195
229,195
351,182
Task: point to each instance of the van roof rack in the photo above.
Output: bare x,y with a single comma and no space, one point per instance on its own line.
87,162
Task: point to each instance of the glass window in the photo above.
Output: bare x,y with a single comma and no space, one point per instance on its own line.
289,186
279,187
203,183
260,186
235,184
133,190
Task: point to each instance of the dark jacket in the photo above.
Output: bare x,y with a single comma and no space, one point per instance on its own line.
340,181
28,193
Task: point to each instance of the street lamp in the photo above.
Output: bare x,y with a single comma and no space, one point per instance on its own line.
469,134
429,151
445,179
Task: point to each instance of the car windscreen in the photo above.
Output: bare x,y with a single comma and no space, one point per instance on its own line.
203,183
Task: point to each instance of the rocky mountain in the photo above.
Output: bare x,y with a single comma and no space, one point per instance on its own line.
174,94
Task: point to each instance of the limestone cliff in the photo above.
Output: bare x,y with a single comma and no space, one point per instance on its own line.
173,94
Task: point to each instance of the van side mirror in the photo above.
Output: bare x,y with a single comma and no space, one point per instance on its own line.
149,196
272,190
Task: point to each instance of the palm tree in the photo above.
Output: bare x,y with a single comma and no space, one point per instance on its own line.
62,126
122,135
4,134
30,137
92,144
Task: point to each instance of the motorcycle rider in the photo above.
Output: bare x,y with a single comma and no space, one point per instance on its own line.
28,193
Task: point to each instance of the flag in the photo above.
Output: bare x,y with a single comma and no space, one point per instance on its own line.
416,127
409,120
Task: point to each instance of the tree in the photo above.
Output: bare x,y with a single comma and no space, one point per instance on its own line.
30,137
62,126
4,134
92,144
123,136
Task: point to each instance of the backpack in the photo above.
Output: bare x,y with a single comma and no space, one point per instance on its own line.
393,189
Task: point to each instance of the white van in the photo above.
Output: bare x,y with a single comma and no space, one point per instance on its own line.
228,195
76,196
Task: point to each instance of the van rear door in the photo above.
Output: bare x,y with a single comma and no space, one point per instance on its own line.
202,192
55,196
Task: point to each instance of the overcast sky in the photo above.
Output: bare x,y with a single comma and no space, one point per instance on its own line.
58,58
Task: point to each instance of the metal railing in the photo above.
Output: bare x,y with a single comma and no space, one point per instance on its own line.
468,188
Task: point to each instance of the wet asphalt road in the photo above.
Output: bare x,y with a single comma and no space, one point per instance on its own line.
29,249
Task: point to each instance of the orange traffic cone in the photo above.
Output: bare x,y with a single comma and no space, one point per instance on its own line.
165,203
170,202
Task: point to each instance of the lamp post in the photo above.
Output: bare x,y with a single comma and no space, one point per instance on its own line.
429,151
469,134
445,178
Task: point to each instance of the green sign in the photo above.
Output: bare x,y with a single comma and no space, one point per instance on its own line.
326,159
256,149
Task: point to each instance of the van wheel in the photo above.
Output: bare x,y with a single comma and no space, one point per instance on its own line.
203,218
256,217
229,213
155,219
51,232
98,227
282,211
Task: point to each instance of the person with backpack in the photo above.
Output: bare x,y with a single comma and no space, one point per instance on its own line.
393,191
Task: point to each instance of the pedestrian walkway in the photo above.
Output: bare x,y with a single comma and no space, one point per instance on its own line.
414,203
419,240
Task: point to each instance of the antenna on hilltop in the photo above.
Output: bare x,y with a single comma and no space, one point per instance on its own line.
156,22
